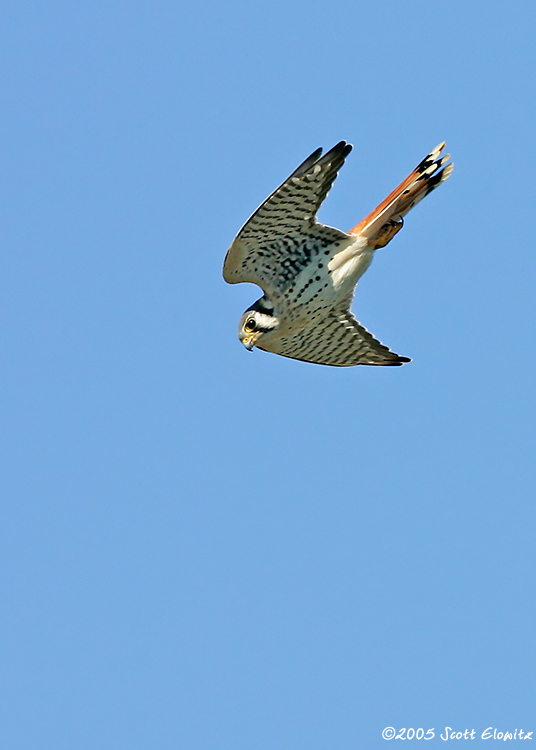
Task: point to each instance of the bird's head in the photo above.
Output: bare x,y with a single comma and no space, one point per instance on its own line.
257,322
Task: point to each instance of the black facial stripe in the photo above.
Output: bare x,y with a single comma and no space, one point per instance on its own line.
262,305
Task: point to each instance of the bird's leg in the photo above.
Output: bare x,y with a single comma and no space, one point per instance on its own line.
387,232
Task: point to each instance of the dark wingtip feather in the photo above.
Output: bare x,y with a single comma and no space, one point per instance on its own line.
308,163
395,362
340,150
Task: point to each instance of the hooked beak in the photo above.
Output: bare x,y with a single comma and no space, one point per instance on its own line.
250,341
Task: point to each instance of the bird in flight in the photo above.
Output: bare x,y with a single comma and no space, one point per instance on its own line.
308,271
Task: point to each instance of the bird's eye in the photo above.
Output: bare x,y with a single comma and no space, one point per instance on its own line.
250,324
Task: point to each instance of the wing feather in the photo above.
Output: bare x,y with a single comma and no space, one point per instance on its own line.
337,339
280,238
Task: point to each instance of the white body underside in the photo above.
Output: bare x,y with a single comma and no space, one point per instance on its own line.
349,264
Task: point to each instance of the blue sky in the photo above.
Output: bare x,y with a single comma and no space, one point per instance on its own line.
204,548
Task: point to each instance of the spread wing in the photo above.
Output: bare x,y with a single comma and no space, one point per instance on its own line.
282,236
338,339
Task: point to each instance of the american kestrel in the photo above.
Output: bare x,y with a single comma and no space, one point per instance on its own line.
308,271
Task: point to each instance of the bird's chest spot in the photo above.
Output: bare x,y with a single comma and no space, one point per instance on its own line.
290,255
312,285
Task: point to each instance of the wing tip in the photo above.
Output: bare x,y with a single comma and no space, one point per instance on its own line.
340,149
396,361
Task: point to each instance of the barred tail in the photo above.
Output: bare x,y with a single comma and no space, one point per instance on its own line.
426,177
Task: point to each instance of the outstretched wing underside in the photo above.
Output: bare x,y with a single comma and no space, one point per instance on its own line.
278,241
338,339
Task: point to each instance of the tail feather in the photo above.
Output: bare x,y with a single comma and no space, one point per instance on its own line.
430,173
